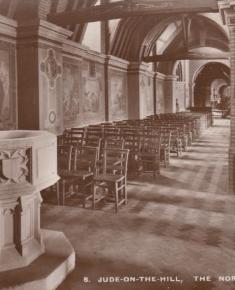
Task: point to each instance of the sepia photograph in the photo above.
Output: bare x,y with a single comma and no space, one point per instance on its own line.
117,144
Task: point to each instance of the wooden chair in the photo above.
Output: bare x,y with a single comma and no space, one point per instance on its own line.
165,147
84,171
176,142
111,178
78,181
149,155
64,138
132,143
183,135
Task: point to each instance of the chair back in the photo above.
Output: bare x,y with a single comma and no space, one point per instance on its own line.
132,143
113,132
94,130
166,138
77,135
115,161
64,138
150,145
86,159
64,157
112,143
93,141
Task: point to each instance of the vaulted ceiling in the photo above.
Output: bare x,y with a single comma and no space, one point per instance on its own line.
135,37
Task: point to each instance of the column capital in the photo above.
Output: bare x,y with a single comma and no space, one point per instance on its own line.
227,10
41,29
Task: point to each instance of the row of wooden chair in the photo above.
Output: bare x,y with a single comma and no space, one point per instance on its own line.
114,136
94,161
87,176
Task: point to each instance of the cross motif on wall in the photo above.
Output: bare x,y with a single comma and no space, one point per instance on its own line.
51,68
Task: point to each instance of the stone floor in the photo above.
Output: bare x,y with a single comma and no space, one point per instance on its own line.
181,225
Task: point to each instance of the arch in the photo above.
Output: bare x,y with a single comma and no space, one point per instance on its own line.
136,37
216,73
219,62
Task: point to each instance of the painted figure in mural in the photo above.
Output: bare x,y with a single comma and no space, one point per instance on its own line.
71,93
117,96
92,95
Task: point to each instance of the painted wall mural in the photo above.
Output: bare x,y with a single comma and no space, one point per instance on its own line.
118,95
50,67
7,86
51,89
92,95
93,100
72,93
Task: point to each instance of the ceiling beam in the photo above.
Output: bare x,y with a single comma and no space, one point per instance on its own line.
128,8
185,56
185,25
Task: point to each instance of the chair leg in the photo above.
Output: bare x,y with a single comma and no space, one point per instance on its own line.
165,159
116,198
83,192
125,192
93,196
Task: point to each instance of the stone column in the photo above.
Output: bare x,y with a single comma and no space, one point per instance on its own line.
140,90
227,9
169,98
40,82
192,86
133,91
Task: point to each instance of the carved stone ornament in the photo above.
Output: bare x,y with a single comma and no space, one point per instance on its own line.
14,167
51,68
52,117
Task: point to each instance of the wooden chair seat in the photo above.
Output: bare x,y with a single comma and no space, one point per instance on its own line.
109,178
78,180
63,173
82,174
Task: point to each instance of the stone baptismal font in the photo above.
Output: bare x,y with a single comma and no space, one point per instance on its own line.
30,258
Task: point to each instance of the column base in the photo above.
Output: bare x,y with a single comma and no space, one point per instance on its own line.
46,272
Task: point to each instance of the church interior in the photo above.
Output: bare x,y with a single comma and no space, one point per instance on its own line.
117,144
